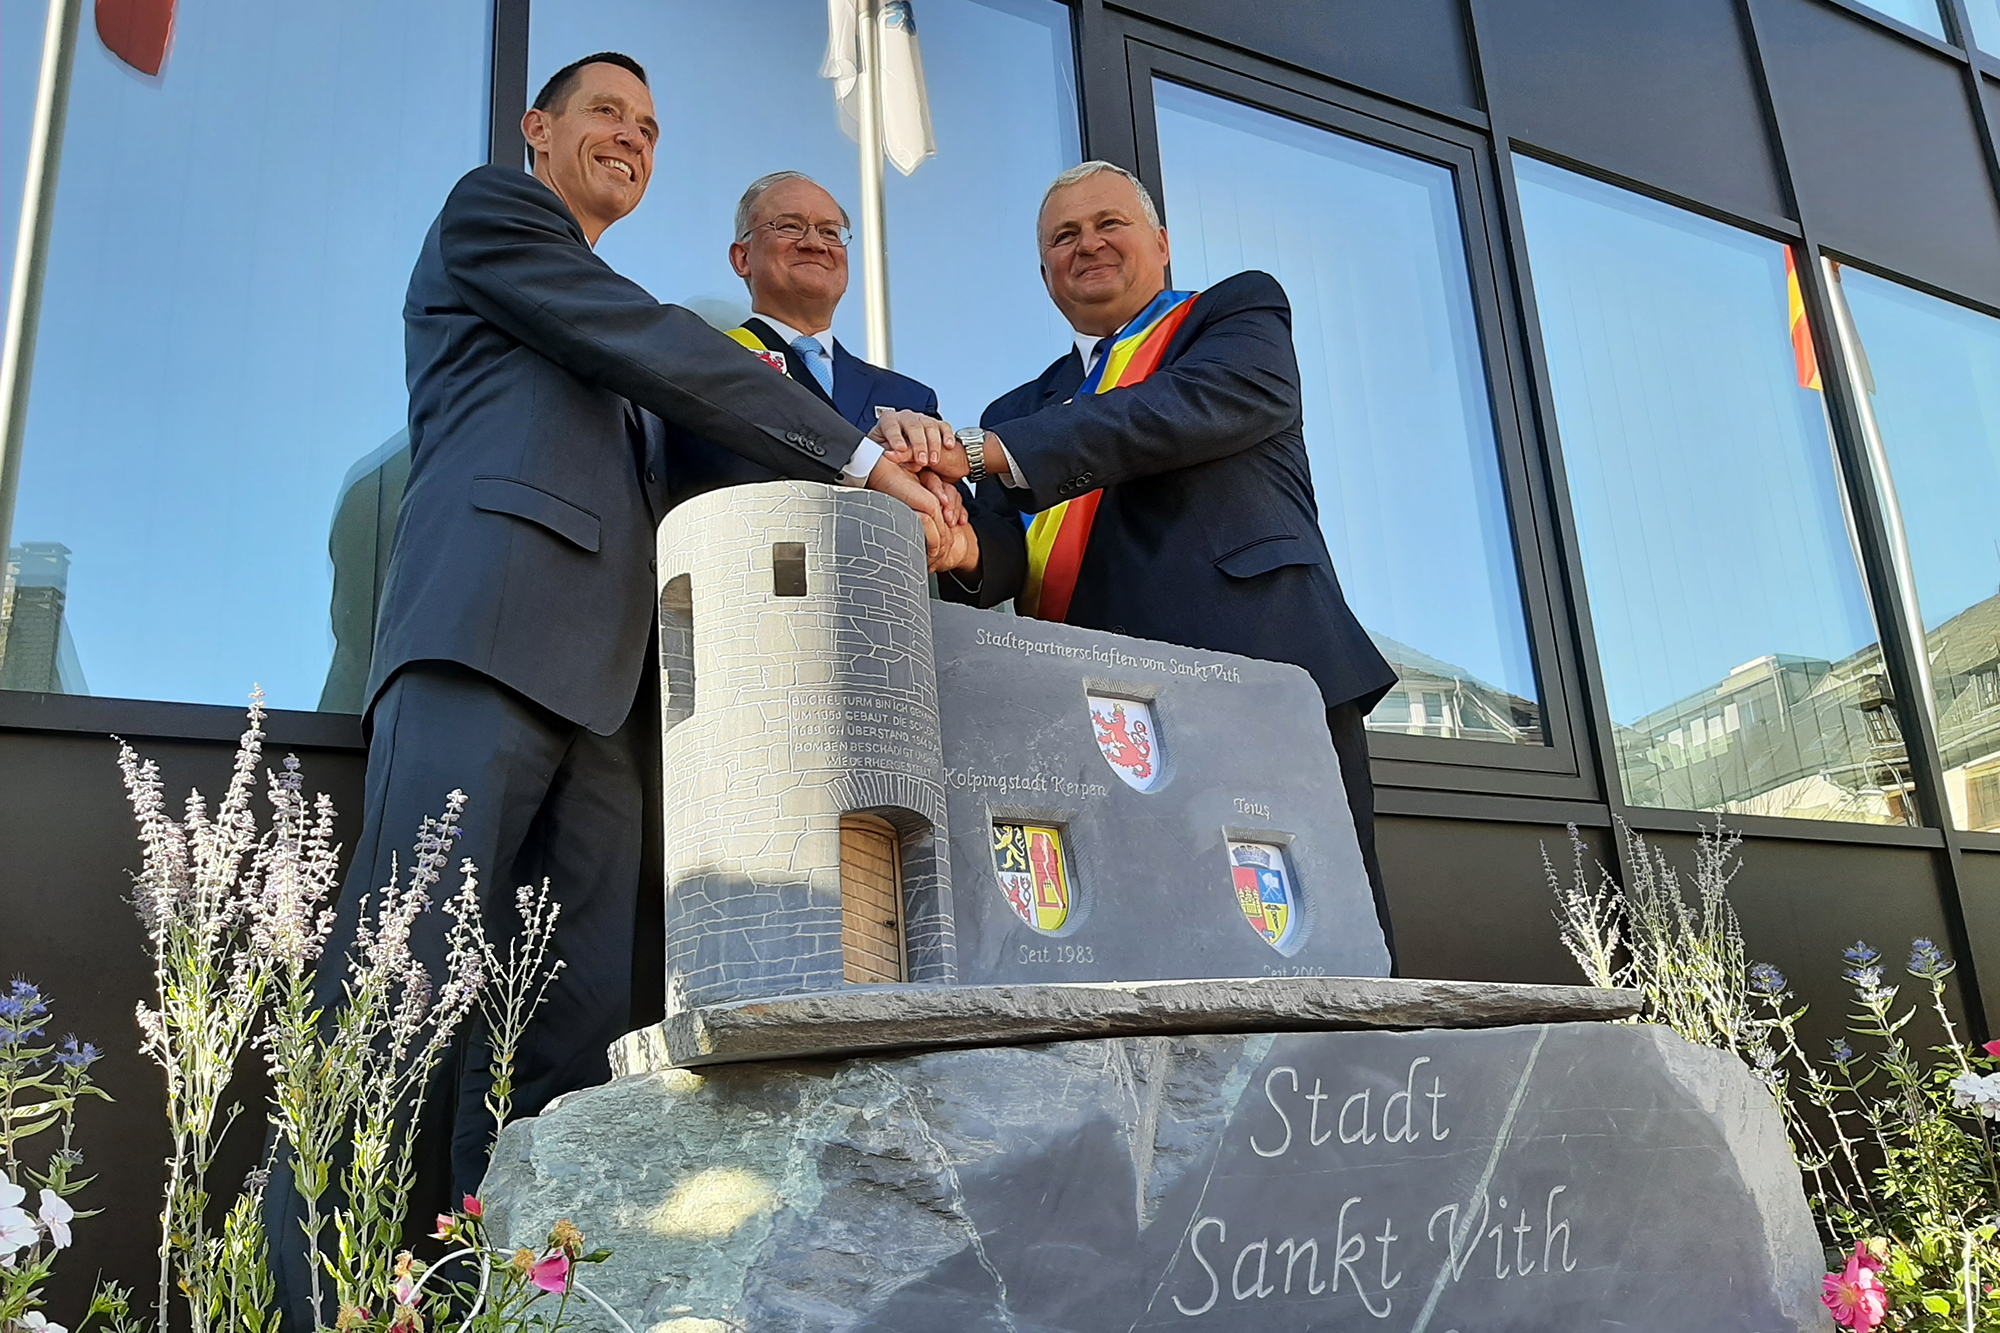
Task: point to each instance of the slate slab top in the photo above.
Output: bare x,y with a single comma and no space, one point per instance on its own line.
860,1019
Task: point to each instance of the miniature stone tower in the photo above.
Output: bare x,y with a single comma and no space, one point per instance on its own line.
804,801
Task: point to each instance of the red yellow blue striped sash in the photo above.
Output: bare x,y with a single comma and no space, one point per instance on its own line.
1057,536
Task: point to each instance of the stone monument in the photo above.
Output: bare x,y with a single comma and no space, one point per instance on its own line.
1025,978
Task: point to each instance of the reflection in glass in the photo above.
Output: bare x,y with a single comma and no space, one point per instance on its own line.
1923,15
221,335
1929,372
1398,420
21,33
1985,33
1737,646
739,94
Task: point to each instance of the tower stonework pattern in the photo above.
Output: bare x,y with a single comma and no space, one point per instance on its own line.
799,687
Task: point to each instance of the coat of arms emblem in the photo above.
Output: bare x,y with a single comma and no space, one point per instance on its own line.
1130,740
1264,890
775,360
1029,861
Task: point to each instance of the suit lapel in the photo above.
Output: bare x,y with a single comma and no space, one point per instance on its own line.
798,373
1064,378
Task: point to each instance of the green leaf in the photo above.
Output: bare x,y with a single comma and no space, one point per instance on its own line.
595,1257
1937,1305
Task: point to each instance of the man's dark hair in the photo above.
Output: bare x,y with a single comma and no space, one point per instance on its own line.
563,82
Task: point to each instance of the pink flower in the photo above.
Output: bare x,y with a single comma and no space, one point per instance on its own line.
1992,1049
552,1273
471,1207
446,1224
1855,1295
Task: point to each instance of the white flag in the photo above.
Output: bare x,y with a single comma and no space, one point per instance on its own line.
906,106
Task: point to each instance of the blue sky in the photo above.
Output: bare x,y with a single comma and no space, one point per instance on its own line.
221,331
969,313
222,340
1701,474
221,336
1936,369
1398,419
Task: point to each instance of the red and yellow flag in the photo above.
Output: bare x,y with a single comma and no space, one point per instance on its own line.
1803,356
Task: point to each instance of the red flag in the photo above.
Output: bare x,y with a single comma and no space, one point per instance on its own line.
1802,340
138,32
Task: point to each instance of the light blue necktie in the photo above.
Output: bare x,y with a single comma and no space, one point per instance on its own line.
816,361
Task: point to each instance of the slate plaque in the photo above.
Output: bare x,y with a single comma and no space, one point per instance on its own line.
1538,1179
1123,810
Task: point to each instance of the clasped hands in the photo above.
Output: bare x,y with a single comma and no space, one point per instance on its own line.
922,464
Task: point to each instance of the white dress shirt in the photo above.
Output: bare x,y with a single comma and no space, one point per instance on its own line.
869,453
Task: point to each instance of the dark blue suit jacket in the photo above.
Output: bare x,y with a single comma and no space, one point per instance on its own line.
694,466
1208,532
524,547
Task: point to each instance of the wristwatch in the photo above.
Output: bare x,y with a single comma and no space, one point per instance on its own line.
973,440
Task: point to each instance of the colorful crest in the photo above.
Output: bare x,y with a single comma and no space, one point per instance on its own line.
1029,861
1264,890
775,360
1129,739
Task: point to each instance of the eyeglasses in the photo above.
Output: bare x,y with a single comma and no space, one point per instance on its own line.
793,230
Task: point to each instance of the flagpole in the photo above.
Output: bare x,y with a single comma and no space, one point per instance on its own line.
1877,451
874,242
31,250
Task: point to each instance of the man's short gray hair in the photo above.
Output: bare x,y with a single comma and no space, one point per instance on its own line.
746,207
1085,170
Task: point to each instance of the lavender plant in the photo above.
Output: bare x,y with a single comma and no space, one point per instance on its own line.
1896,1144
237,921
1686,955
200,910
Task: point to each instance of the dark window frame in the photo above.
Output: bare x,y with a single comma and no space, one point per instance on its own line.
1561,768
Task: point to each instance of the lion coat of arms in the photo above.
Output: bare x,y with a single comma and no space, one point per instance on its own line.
1130,740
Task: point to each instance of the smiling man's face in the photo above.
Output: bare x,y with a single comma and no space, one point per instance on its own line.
800,282
1101,258
596,151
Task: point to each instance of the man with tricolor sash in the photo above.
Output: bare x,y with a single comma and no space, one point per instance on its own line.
1154,480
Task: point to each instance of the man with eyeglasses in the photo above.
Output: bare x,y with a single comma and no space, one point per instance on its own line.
791,251
1154,480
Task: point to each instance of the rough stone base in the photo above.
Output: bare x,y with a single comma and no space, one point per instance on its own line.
870,1019
1546,1178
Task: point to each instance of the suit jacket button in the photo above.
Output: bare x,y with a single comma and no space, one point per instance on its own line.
651,478
653,564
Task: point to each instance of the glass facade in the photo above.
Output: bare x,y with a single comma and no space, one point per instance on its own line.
1733,629
1370,247
1929,375
215,449
1922,15
1985,16
221,346
739,94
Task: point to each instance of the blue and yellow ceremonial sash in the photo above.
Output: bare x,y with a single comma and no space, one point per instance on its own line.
1057,536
